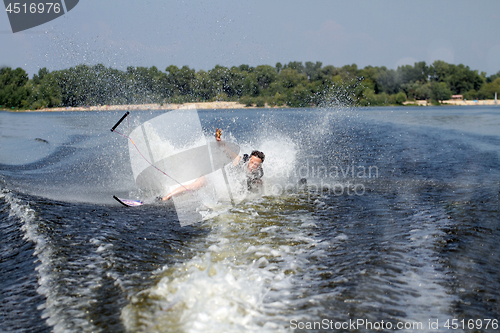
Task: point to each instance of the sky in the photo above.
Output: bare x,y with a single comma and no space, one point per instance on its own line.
202,34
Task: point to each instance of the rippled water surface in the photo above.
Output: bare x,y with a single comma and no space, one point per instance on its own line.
398,222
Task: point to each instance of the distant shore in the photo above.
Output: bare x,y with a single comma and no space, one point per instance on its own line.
454,102
227,105
234,105
152,106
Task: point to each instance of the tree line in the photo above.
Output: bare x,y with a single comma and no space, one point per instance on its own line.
294,84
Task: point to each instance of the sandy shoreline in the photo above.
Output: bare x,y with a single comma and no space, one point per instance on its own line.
198,105
454,102
226,105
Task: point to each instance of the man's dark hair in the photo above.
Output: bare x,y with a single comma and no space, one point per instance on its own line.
258,154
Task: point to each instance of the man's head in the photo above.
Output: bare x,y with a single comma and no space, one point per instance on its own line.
256,159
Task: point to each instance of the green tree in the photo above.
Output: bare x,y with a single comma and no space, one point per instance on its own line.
265,76
245,68
493,77
313,70
349,72
423,91
293,84
329,71
202,86
489,89
464,79
14,91
250,85
41,73
417,90
296,65
386,81
278,67
440,70
412,74
299,96
370,73
221,77
440,91
45,91
290,78
400,98
179,81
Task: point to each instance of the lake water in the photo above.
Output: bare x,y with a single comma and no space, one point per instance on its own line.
397,227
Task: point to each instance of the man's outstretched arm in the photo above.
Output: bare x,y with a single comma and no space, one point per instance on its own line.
236,158
198,183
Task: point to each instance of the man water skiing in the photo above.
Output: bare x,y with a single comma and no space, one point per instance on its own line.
250,166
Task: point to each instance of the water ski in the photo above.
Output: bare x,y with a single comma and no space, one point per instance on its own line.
128,202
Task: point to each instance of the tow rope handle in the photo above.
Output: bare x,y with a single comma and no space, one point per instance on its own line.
119,121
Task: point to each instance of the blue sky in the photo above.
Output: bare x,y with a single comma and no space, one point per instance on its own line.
201,34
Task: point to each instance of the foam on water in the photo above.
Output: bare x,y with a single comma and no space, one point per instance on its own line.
243,278
261,265
305,254
62,310
243,275
427,277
